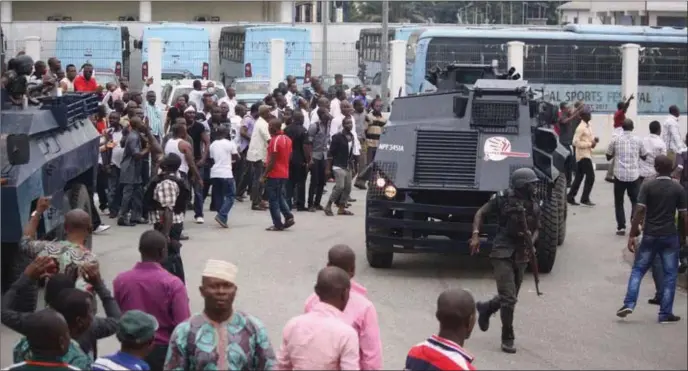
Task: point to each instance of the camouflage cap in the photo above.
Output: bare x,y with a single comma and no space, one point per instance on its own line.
136,327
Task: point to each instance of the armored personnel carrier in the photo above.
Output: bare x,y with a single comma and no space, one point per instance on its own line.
57,157
443,155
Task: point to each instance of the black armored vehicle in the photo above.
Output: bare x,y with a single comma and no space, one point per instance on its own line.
54,149
444,154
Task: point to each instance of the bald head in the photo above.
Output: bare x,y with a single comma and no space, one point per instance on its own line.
77,221
456,309
333,286
47,333
342,256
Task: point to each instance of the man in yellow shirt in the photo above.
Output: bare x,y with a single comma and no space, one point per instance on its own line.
584,141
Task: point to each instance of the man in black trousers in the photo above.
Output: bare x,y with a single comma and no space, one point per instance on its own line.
298,165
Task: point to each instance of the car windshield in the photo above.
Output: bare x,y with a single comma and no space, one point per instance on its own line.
178,92
102,78
251,87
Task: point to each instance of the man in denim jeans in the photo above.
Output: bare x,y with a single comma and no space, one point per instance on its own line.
658,201
276,176
223,151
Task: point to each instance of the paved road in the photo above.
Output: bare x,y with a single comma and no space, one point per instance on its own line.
572,327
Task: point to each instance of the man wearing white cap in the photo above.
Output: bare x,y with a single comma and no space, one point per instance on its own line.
249,347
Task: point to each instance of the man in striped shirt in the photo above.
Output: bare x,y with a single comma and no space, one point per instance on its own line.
444,351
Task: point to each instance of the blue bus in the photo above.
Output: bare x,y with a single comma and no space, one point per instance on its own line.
104,46
369,49
186,48
576,62
245,51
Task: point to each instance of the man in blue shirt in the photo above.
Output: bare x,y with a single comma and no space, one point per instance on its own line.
136,333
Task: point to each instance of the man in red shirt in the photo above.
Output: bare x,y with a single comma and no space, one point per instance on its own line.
86,83
276,176
620,114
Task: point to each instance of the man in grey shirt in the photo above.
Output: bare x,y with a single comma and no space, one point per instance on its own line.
130,176
319,136
568,122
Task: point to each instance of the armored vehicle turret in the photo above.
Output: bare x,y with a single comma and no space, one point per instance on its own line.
58,156
443,155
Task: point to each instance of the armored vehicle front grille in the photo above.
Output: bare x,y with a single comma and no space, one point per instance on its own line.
445,158
494,114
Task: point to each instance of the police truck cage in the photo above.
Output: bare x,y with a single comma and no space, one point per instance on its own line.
442,156
71,107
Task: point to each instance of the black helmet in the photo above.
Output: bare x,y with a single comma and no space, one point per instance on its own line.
523,176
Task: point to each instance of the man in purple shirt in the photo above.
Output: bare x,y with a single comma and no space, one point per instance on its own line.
151,289
245,133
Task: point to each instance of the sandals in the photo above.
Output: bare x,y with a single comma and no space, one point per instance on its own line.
272,228
344,212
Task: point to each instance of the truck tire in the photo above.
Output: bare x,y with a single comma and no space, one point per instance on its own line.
560,189
378,259
77,197
549,228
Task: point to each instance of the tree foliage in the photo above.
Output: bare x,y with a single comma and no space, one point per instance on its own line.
455,12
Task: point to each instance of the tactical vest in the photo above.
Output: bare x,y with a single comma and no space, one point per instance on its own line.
511,209
179,205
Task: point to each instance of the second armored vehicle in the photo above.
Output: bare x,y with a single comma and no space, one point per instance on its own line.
443,155
60,154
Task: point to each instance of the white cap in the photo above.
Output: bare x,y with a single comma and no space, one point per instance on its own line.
220,269
190,108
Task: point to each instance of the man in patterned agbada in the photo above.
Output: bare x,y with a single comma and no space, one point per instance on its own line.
220,338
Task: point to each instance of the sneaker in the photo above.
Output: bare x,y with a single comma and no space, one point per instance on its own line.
587,203
653,301
219,221
623,312
670,319
199,220
621,232
101,228
572,201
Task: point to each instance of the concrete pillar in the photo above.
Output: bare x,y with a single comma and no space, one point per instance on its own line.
277,62
155,46
5,11
32,47
397,69
339,15
629,77
286,12
515,51
314,12
145,11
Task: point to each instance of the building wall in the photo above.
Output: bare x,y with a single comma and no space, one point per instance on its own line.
592,17
172,11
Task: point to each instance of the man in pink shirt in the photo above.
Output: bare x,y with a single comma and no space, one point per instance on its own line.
151,289
360,312
320,339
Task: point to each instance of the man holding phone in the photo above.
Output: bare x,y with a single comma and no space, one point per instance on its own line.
584,141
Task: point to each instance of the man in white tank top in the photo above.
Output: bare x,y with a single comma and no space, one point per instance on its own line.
178,145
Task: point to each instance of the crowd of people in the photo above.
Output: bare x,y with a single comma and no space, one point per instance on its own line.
652,172
155,167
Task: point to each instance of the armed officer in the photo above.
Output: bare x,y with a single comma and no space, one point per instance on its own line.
514,207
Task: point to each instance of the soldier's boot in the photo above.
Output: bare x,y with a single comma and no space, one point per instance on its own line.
507,316
485,310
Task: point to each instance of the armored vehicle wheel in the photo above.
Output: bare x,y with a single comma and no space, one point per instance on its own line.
560,190
77,197
549,228
377,259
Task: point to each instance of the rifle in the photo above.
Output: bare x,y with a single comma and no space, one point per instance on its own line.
530,249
